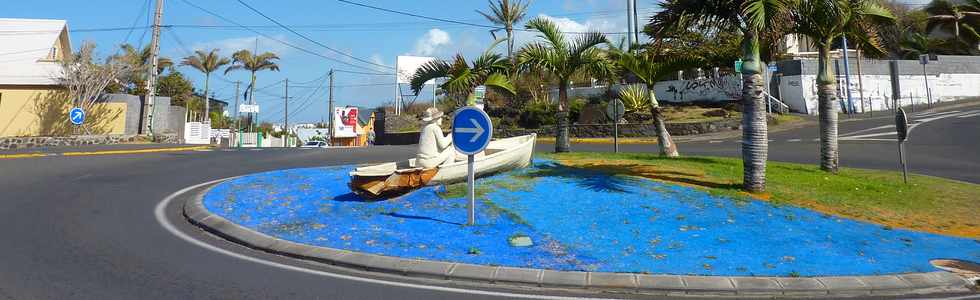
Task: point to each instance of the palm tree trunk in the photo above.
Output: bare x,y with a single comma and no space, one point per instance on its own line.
207,103
664,141
755,130
827,101
510,48
251,100
562,144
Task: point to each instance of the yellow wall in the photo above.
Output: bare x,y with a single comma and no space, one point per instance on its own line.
19,117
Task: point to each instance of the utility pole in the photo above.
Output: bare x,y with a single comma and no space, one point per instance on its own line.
330,107
636,24
152,75
629,24
285,124
238,119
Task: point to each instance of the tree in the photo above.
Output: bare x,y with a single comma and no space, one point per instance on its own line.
564,59
140,64
649,69
506,13
962,18
84,80
825,21
206,62
245,60
489,69
178,88
753,18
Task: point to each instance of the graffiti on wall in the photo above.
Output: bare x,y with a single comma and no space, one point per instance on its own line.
703,89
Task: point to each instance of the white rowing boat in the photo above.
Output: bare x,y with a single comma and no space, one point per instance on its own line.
399,177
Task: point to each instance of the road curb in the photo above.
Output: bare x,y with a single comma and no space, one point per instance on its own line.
834,286
103,152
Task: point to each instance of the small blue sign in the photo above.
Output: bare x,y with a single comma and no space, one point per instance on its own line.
76,115
773,68
471,130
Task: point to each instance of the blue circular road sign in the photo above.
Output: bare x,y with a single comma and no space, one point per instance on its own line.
76,115
471,130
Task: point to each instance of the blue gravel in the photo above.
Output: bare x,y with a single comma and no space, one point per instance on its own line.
579,219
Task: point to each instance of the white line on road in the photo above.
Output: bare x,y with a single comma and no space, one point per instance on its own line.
794,140
714,142
160,213
968,116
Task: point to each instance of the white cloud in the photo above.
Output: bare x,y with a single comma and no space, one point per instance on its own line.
432,42
606,24
229,46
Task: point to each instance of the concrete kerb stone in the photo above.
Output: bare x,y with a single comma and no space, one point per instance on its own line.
914,283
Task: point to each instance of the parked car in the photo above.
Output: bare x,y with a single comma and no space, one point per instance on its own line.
315,144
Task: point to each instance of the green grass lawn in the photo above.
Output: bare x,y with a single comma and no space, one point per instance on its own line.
927,204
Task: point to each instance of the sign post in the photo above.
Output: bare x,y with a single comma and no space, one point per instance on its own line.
76,116
615,111
902,128
924,60
472,130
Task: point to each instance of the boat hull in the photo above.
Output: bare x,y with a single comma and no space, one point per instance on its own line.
396,178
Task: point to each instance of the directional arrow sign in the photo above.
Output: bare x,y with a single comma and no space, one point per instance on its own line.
476,130
471,130
76,116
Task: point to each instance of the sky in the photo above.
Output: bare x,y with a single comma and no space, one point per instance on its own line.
371,36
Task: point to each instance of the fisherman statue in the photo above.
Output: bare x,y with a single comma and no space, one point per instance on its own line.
434,148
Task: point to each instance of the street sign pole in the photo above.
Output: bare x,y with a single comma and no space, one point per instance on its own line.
902,130
615,111
472,131
924,60
471,190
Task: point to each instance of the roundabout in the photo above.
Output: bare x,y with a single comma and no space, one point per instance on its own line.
580,228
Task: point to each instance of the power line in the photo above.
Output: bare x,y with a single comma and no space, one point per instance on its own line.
448,20
273,38
362,73
309,39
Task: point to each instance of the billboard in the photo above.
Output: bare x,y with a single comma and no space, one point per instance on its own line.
407,65
345,122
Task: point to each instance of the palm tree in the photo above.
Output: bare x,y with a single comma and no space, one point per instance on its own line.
962,17
506,13
139,61
825,21
753,18
649,69
563,59
246,60
206,62
489,69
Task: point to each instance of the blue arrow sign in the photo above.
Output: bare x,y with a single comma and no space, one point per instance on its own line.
76,115
471,130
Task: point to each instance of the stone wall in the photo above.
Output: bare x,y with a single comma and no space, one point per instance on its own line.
9,143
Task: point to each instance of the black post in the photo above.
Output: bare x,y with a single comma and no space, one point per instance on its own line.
896,89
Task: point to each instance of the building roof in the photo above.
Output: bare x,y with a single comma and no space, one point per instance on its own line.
25,50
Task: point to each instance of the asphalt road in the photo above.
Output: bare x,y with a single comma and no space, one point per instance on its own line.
84,227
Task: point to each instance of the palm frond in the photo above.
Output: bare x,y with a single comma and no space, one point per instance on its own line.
501,83
549,31
428,71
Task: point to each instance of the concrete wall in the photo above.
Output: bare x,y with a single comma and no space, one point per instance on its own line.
37,110
17,109
950,78
725,88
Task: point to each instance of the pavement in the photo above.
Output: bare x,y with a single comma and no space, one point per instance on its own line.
87,227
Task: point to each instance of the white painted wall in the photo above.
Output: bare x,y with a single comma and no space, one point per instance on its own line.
800,92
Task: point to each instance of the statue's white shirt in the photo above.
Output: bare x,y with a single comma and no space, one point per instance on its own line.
432,143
